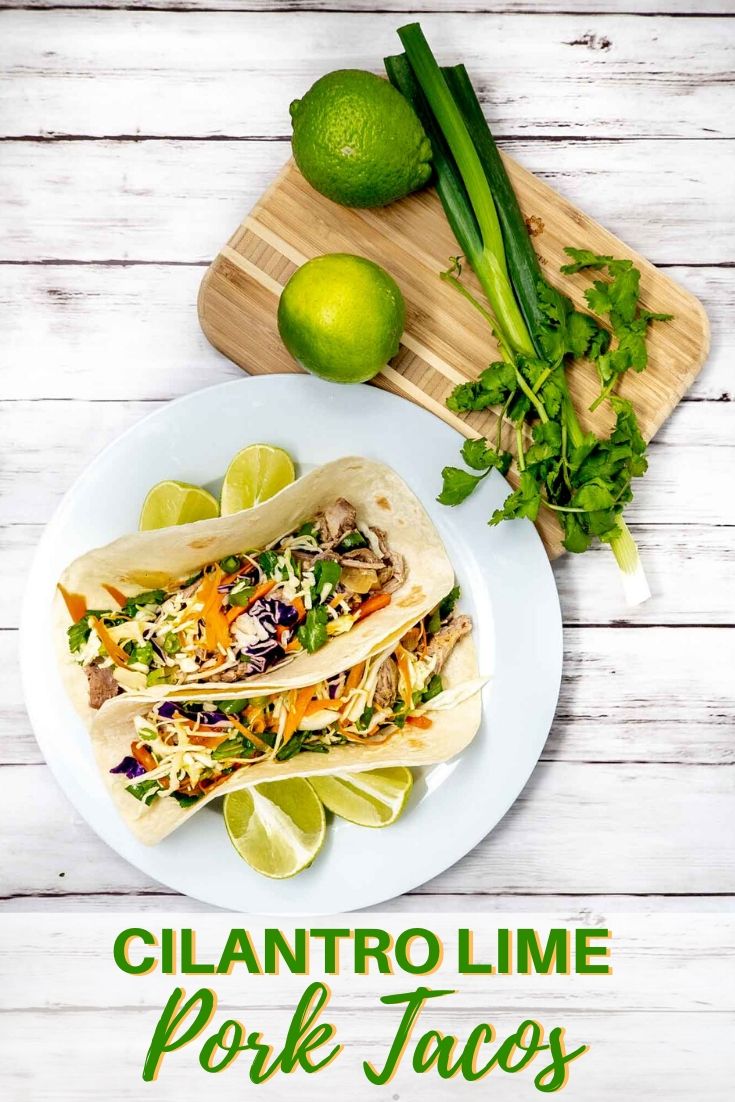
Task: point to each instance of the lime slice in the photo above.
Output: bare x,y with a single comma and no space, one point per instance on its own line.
375,798
255,474
278,827
170,503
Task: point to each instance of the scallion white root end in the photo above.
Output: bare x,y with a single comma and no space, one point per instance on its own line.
633,576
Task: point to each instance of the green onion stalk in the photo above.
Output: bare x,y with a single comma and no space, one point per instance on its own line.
483,212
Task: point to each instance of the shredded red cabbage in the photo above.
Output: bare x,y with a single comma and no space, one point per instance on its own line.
263,655
130,767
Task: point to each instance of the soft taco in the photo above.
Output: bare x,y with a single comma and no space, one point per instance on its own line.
414,702
309,582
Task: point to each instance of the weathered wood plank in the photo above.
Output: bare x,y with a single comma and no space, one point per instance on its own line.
496,7
179,200
100,332
688,567
48,443
628,826
569,908
202,73
615,705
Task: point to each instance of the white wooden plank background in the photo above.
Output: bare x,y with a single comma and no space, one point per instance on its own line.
131,142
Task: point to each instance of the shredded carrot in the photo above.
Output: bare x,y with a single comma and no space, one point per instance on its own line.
420,721
143,756
75,603
250,735
216,625
260,591
256,720
115,594
212,741
208,783
115,651
297,711
373,604
351,736
405,671
354,677
300,607
292,646
315,706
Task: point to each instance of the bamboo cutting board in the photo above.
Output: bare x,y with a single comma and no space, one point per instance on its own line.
446,341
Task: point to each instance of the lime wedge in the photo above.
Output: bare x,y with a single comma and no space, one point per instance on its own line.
278,827
170,503
255,474
375,798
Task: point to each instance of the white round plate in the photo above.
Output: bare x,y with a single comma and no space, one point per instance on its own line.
507,587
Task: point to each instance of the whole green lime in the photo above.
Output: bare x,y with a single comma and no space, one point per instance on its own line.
358,141
341,317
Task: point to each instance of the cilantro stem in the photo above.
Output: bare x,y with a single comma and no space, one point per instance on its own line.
501,419
604,393
541,379
561,508
533,399
565,457
452,280
530,393
519,447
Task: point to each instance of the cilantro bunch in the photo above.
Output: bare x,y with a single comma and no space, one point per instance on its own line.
585,479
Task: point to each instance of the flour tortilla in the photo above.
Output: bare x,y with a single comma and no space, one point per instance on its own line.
147,560
451,731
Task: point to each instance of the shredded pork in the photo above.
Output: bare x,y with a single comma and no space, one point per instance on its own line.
444,641
102,685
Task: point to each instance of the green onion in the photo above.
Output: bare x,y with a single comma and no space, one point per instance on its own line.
490,264
230,564
231,707
585,480
351,542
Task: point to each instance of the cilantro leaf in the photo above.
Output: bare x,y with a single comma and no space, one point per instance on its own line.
313,632
523,502
583,258
547,443
576,539
447,604
457,485
618,299
481,457
434,686
364,721
493,387
327,573
149,597
267,561
593,496
79,633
